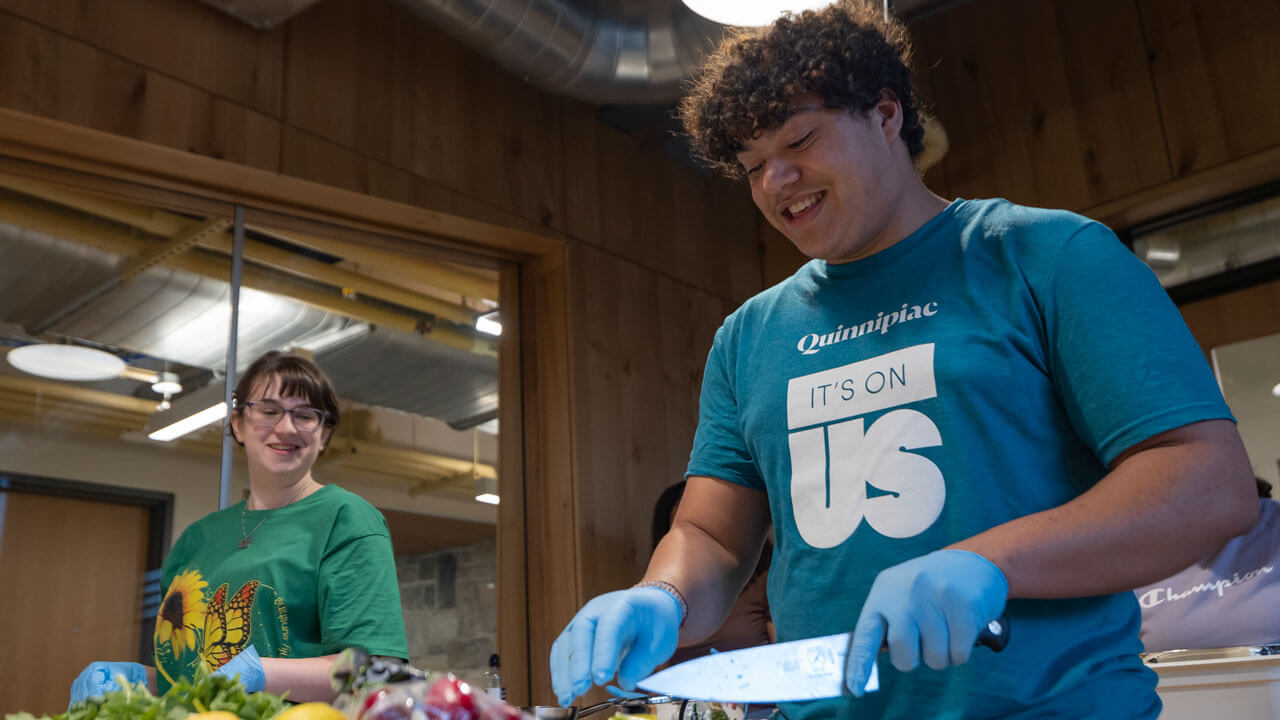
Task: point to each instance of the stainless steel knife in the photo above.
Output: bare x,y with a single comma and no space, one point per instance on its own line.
783,672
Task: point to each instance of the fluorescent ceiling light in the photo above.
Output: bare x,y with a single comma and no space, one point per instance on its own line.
489,323
66,362
190,423
487,498
751,12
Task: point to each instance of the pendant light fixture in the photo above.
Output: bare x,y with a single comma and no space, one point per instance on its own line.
751,12
66,362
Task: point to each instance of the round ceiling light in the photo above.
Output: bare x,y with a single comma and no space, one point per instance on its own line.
751,12
66,362
166,384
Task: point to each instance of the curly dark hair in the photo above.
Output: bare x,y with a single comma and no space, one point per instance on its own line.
847,54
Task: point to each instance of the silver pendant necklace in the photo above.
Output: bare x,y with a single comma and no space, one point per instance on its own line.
246,537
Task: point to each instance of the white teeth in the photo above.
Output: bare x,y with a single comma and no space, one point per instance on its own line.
799,207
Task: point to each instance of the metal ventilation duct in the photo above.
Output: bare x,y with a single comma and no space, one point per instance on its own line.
604,52
611,51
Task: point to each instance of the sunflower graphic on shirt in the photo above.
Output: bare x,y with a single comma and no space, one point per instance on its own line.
192,630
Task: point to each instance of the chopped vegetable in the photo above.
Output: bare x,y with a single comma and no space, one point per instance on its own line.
208,694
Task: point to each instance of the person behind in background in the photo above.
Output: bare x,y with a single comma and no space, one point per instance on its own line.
1226,599
955,409
748,623
273,587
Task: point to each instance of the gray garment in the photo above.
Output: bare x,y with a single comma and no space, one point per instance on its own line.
1230,598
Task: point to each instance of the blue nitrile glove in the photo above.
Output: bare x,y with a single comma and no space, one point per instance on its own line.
249,667
932,606
99,678
627,633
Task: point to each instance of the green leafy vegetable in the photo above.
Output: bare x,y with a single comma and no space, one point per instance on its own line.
135,702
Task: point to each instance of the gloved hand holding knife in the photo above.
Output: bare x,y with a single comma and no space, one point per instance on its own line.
931,607
934,607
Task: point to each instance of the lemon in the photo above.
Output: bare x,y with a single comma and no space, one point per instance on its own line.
213,715
311,711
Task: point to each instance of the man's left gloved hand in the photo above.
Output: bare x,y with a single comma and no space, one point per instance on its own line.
932,606
249,667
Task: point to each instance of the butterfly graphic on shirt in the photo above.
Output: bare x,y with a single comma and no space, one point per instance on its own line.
227,624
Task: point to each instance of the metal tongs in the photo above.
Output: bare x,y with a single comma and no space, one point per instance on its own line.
355,669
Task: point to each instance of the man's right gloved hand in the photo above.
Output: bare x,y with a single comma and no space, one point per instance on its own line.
99,678
627,633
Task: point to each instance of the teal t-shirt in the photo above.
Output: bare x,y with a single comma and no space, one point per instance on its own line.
318,576
984,368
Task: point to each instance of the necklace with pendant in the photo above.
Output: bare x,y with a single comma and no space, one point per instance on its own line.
246,536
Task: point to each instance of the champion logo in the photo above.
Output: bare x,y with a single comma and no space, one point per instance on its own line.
813,342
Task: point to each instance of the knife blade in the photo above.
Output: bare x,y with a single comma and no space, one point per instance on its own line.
782,672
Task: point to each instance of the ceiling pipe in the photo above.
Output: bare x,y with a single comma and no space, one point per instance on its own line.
626,52
605,52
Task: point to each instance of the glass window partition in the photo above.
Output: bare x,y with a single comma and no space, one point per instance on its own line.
115,323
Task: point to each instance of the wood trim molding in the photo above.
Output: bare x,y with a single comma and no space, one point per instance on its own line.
64,145
1189,190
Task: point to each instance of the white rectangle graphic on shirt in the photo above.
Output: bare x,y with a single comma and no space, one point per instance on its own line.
896,378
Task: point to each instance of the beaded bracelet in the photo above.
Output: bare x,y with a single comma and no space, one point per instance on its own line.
671,590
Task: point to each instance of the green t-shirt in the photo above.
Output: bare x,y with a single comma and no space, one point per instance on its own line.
318,576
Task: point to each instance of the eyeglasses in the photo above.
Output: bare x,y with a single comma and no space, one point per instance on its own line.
266,414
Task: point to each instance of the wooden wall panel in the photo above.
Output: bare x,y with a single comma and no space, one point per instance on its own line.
1032,108
1236,316
638,204
936,177
779,258
375,78
192,41
43,72
1217,69
314,158
638,368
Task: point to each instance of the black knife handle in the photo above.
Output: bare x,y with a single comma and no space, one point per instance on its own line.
996,634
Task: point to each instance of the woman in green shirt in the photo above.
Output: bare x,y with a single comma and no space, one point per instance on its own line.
273,587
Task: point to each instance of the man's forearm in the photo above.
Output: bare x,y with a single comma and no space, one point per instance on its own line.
711,549
1162,507
709,575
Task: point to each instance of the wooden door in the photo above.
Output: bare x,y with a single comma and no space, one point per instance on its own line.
71,591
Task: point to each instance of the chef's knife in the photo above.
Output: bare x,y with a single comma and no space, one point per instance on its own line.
783,672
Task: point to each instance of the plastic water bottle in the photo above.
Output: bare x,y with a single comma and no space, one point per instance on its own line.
493,679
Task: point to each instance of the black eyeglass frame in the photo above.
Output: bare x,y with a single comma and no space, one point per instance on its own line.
324,414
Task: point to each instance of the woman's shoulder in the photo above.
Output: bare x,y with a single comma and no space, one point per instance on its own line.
352,511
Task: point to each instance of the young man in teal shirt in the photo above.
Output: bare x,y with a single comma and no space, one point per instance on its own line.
956,409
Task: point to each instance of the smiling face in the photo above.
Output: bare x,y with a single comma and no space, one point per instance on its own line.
283,453
832,179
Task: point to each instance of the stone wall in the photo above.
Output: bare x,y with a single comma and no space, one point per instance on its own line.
450,604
